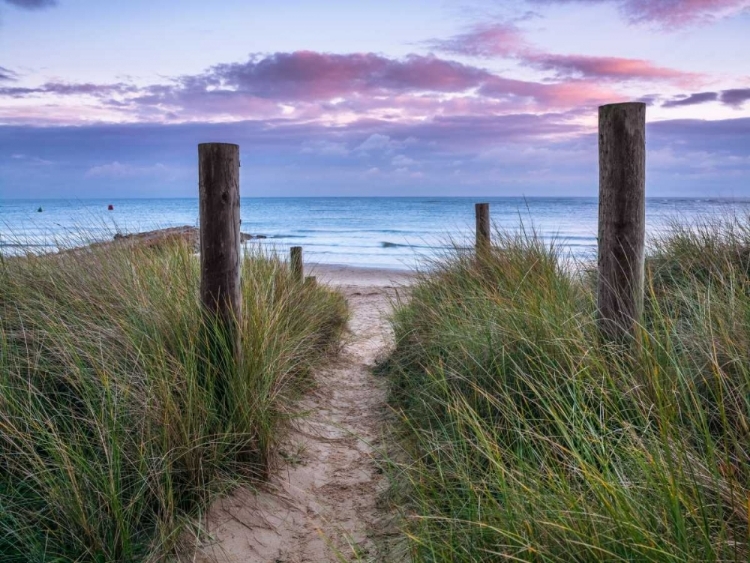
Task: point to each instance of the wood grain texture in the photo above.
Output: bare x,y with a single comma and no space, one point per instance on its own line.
220,242
482,211
622,217
295,259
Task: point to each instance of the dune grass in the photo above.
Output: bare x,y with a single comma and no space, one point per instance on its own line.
527,438
116,426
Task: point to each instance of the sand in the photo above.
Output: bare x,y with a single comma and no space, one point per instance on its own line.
321,504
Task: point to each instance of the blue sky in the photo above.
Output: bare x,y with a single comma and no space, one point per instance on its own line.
415,97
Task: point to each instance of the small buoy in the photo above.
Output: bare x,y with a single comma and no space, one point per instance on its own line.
110,207
39,210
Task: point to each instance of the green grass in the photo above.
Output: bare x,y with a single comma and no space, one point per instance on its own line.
525,437
116,426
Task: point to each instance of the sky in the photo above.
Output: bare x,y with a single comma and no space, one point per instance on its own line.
369,98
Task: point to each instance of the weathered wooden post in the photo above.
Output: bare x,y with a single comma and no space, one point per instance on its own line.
622,217
220,247
295,255
482,211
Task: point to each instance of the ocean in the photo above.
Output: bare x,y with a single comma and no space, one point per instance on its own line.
398,233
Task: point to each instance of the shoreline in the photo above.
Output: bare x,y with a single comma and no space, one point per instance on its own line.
333,274
359,276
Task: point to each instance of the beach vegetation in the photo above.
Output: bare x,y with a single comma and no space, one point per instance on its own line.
525,436
119,423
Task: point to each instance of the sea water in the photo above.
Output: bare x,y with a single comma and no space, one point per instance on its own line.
397,233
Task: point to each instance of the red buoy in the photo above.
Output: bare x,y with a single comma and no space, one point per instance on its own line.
110,207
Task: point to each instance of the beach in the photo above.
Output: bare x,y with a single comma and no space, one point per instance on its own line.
338,275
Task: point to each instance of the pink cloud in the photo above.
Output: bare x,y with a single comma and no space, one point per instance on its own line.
488,40
506,40
373,80
609,68
311,75
560,95
297,76
681,12
669,12
332,88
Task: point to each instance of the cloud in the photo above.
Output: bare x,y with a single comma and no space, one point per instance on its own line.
551,95
32,160
485,40
710,154
378,143
117,170
7,74
324,148
649,99
122,146
724,135
308,75
465,133
69,89
733,97
402,161
305,86
32,4
692,99
506,40
515,154
608,68
668,13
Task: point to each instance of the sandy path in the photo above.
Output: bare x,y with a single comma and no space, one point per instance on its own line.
322,504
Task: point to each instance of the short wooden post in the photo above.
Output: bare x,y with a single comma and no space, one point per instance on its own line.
295,255
311,281
622,217
220,247
482,211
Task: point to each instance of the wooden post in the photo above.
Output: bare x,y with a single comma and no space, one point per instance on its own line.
482,211
622,217
220,247
295,254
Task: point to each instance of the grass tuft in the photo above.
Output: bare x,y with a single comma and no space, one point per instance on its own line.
527,438
116,426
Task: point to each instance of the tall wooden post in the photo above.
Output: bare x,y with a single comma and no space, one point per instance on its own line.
220,247
482,211
622,217
295,259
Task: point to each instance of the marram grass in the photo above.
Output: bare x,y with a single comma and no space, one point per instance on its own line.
115,427
526,438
